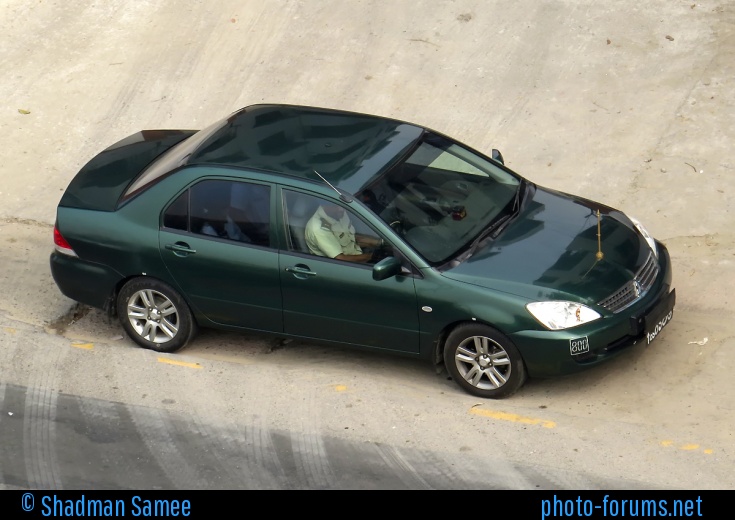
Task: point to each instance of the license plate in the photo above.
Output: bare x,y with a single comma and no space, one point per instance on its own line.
659,317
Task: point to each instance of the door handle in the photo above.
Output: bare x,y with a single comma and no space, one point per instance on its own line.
300,271
180,249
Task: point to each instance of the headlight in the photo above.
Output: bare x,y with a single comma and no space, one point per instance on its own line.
644,234
561,315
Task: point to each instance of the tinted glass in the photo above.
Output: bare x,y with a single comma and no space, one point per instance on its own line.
345,232
232,210
177,214
172,159
441,197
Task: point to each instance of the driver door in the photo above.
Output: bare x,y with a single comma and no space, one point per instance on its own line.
339,301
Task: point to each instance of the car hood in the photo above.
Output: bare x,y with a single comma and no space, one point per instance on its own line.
550,251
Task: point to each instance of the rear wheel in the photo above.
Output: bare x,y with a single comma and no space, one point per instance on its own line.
483,362
154,315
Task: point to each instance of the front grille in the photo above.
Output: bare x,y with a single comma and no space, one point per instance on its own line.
635,289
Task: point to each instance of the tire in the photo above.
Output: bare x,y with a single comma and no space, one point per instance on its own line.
483,362
154,315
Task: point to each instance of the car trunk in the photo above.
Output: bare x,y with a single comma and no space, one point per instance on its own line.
101,182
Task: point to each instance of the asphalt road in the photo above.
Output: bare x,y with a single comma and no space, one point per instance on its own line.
628,103
91,444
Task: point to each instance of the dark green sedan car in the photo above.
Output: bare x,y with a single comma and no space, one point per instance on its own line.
357,230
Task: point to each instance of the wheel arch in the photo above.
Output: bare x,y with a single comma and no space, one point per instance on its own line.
111,302
439,344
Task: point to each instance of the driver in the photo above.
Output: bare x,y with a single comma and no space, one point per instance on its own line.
330,233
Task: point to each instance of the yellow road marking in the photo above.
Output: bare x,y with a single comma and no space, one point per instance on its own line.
505,416
686,447
85,346
340,388
9,330
179,363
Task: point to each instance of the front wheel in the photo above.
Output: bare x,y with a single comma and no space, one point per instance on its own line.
483,362
154,315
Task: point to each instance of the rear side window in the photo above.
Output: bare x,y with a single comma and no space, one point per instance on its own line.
232,210
177,214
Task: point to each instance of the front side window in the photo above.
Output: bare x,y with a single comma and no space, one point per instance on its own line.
321,227
233,210
441,197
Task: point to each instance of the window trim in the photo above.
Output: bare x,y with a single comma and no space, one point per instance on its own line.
272,224
411,271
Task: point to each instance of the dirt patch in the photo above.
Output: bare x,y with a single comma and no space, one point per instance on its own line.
60,324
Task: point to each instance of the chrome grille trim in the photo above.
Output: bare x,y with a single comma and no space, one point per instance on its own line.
634,290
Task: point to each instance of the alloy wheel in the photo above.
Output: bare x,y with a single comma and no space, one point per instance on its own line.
153,316
483,363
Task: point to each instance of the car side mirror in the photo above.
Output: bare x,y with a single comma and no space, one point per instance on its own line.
386,268
497,156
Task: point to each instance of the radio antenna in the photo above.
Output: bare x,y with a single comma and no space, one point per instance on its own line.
343,197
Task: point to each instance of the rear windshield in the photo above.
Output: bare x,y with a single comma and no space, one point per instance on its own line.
172,159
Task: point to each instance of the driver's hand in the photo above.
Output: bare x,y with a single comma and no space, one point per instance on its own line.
380,252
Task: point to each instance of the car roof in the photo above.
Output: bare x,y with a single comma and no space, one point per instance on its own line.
346,148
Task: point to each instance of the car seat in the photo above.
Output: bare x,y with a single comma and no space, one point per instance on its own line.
301,210
250,210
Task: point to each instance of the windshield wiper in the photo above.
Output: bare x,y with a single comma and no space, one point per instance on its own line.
498,226
517,200
502,223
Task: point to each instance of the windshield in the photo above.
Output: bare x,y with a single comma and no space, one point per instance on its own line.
441,197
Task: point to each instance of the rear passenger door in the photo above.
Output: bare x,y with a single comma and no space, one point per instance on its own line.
217,242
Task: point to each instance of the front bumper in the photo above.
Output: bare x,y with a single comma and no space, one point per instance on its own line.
552,353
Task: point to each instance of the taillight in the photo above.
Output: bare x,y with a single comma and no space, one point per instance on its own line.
61,245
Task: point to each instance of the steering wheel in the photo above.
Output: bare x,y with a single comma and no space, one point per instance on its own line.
397,226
